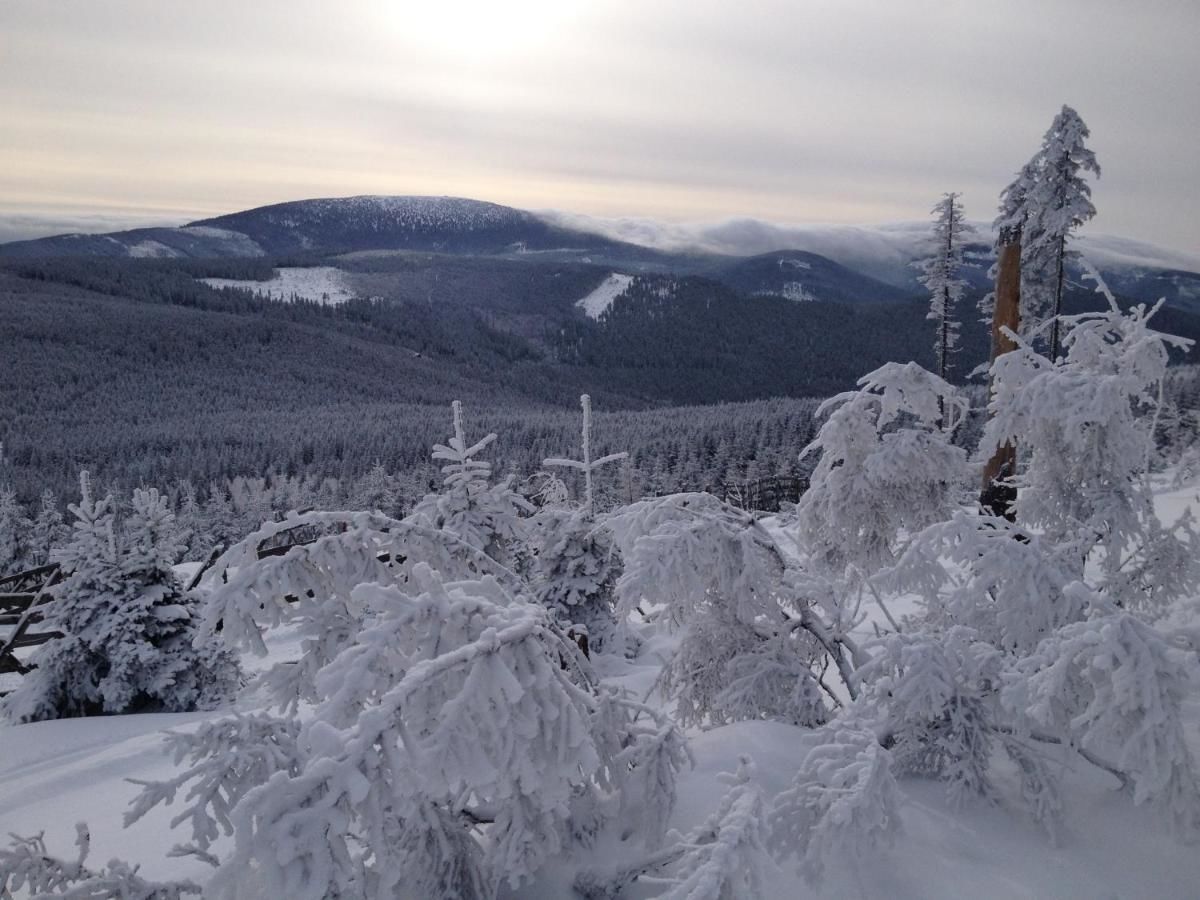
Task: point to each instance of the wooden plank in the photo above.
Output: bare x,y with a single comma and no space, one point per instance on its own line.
33,639
16,601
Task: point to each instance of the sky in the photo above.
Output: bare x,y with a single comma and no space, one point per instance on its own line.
115,114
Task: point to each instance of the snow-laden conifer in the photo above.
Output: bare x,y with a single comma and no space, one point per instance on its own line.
885,469
1059,202
14,532
28,866
586,464
128,630
941,276
47,531
1085,423
746,617
376,491
842,804
574,570
1113,686
485,515
1048,200
458,738
575,563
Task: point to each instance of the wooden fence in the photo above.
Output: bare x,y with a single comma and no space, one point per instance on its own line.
20,596
764,495
23,592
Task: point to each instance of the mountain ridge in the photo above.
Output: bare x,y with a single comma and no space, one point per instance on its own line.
846,263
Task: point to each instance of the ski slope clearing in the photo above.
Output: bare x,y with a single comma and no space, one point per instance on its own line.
321,284
598,301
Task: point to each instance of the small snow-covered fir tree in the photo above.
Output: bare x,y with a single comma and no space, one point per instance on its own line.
127,627
842,804
575,563
486,516
941,276
376,491
587,465
574,570
14,532
47,531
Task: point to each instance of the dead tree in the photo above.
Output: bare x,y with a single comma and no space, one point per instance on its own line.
998,494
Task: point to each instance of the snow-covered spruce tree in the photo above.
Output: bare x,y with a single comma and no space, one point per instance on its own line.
14,532
575,564
128,630
574,570
484,515
1059,201
47,531
1046,202
885,470
458,738
376,491
940,274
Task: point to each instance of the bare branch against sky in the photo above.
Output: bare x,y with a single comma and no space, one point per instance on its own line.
142,111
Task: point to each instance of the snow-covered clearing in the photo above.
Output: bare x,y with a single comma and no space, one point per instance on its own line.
323,284
53,774
792,290
599,300
152,250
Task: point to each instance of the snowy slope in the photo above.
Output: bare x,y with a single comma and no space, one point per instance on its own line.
321,284
598,301
56,773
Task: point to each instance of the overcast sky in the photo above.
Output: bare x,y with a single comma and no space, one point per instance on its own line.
130,112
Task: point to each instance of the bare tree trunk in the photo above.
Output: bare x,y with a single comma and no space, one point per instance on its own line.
996,496
1058,295
944,333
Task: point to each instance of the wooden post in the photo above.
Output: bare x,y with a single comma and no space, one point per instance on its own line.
996,497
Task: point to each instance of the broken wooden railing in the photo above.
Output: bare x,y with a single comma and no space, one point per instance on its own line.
20,596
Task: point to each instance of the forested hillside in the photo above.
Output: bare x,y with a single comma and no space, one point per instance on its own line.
140,372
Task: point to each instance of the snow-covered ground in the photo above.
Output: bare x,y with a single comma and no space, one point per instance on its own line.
54,774
323,284
599,300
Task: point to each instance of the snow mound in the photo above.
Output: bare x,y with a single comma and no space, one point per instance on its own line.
323,284
599,300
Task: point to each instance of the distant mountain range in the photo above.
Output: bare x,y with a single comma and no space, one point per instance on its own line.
832,263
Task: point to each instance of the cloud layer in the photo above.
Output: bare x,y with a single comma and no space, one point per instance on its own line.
846,112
